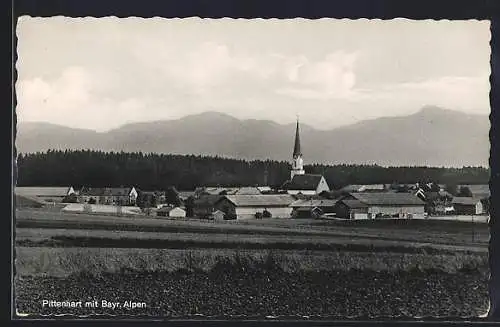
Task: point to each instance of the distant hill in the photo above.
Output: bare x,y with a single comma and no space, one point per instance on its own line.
432,136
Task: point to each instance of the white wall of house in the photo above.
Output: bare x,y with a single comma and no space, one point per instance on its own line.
479,208
403,211
177,213
322,186
133,194
249,212
359,215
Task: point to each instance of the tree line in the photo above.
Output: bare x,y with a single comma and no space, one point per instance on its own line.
152,171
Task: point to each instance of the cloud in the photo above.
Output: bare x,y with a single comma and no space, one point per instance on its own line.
330,78
70,100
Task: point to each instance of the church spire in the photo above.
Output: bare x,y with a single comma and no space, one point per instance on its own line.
296,148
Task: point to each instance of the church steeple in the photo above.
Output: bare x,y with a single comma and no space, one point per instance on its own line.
297,163
296,148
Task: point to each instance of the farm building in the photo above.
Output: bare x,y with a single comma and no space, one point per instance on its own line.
47,194
307,184
217,215
307,208
204,206
247,206
173,212
467,206
109,195
390,205
351,209
364,188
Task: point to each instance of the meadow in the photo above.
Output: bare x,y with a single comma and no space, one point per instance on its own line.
259,268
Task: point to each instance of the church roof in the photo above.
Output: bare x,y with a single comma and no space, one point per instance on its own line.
304,182
296,148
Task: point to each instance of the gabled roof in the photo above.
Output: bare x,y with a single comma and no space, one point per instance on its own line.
387,198
42,190
248,191
305,182
353,204
106,191
207,200
304,203
263,200
363,187
465,200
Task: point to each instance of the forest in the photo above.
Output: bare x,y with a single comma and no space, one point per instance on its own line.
152,171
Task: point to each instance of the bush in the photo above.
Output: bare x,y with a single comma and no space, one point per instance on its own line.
266,214
258,215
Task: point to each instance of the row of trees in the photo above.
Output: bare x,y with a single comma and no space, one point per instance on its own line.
159,171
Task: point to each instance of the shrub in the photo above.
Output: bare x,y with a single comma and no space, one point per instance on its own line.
258,215
266,214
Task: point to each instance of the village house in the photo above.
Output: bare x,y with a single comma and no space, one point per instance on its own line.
45,193
172,212
250,206
217,215
467,206
204,206
351,209
390,205
125,196
312,208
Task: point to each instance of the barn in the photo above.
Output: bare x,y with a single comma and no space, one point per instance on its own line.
45,193
204,206
175,212
248,206
390,205
467,206
307,208
351,209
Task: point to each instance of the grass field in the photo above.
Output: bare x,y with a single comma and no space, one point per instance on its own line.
417,267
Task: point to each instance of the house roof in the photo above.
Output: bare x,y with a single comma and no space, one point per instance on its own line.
304,203
387,198
262,200
248,191
106,191
28,201
465,200
207,200
264,188
42,190
363,187
167,209
305,182
353,204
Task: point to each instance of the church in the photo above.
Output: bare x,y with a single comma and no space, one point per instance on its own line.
300,182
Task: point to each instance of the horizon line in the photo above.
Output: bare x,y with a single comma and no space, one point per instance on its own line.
423,108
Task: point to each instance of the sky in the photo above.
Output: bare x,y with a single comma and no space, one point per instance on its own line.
101,73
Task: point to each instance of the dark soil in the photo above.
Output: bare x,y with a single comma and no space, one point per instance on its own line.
230,292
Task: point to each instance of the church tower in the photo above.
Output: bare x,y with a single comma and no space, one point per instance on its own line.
297,162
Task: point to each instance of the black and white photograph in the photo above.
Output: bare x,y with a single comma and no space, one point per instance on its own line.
278,169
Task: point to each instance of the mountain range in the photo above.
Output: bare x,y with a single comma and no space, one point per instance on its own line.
433,137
